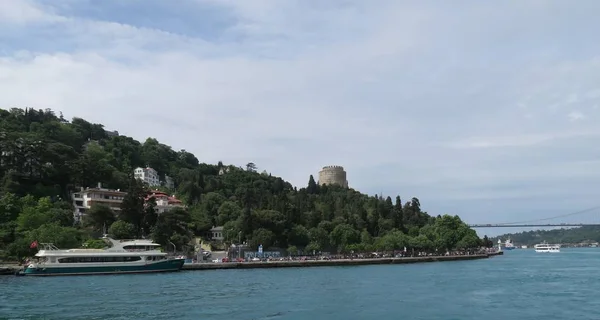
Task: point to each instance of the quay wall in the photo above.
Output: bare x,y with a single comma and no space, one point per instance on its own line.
325,263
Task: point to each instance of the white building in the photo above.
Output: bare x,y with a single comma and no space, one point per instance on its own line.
85,198
164,202
148,175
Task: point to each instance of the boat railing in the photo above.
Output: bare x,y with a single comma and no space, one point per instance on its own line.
131,250
48,246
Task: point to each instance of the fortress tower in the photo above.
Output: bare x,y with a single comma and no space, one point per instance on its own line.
333,175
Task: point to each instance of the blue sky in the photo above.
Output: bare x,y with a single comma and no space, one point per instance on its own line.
482,109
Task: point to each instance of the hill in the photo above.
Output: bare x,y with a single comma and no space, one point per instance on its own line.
571,235
45,158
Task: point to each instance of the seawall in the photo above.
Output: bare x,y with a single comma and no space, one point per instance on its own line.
325,263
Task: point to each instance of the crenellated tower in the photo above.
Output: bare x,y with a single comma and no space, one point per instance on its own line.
333,175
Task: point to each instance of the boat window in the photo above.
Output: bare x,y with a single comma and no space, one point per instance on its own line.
97,259
139,248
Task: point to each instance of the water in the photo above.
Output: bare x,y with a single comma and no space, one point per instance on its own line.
519,285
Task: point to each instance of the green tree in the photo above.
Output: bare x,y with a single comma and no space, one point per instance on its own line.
262,237
133,205
122,230
173,227
312,188
344,235
99,217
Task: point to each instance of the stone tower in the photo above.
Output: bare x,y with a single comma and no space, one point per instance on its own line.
333,175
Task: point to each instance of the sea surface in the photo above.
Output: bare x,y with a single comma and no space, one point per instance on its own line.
520,285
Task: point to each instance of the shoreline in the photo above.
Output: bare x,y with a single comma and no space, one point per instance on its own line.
12,269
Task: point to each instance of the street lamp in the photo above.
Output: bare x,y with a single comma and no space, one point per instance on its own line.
174,247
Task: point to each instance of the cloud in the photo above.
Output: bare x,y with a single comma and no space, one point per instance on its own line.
525,140
575,116
451,103
19,12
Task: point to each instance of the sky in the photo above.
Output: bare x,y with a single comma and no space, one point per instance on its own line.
484,109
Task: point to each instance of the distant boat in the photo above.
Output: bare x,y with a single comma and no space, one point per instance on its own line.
134,256
523,247
508,245
545,247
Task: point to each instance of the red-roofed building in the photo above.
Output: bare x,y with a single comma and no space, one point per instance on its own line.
164,202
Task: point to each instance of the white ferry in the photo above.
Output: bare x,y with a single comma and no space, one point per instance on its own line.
544,247
129,256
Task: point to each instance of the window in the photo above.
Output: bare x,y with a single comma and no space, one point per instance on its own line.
139,248
97,259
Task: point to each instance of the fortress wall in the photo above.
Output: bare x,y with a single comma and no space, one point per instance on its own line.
333,175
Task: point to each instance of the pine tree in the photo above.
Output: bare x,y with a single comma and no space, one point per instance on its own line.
312,188
132,207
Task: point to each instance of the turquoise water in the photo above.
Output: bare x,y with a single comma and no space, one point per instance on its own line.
519,285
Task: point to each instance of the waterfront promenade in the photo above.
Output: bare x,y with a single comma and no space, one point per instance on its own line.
333,262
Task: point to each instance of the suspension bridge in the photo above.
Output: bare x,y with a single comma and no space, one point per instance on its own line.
540,223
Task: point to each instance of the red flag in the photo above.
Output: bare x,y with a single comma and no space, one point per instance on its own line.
34,244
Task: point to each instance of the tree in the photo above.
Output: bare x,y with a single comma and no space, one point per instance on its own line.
299,236
122,230
150,216
99,217
133,205
344,235
486,242
312,188
292,250
262,237
173,227
251,167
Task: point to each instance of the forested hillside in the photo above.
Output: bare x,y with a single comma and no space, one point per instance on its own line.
44,158
573,235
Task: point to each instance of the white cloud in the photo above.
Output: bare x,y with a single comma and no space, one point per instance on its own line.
525,140
453,101
20,12
575,116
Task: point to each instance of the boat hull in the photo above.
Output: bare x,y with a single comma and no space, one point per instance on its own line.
162,266
508,248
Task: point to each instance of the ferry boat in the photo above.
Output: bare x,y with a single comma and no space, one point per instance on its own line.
127,256
544,247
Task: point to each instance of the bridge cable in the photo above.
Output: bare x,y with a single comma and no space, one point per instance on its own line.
551,218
